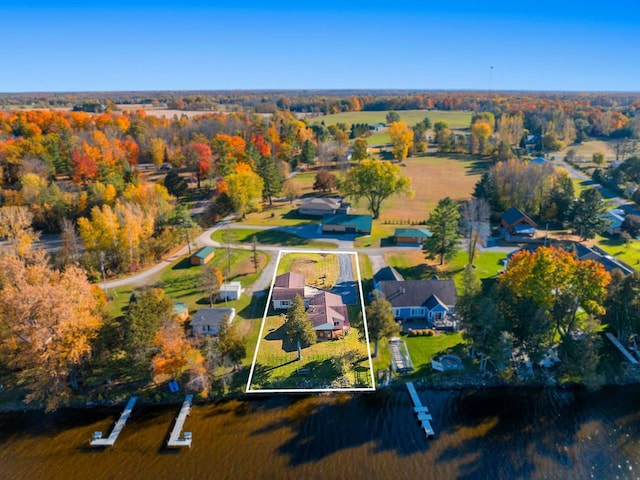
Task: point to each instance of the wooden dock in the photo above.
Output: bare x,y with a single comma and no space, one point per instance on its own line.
621,347
99,441
421,411
174,438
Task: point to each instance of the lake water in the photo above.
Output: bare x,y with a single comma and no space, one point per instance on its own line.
490,434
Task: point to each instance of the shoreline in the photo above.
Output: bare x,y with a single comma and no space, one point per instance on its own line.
423,384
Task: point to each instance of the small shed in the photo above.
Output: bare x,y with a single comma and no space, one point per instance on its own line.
230,291
207,321
202,256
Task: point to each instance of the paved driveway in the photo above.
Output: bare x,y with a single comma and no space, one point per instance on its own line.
346,285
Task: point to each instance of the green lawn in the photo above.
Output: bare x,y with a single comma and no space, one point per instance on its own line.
277,367
456,119
422,350
268,237
319,269
627,252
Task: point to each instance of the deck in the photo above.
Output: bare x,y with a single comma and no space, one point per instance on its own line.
421,411
620,347
99,441
174,438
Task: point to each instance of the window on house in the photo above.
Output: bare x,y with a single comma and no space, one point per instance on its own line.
417,312
438,315
396,312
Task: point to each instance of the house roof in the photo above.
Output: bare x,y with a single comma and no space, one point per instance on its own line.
212,316
287,286
387,273
514,215
321,203
204,252
289,280
417,293
325,308
230,287
361,222
412,232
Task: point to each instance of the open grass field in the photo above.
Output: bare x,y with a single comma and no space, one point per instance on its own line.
277,366
268,237
433,177
320,270
456,119
585,151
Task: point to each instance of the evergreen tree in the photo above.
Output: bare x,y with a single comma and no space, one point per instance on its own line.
587,214
298,327
443,225
271,176
381,322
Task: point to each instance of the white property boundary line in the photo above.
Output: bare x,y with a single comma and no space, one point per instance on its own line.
264,318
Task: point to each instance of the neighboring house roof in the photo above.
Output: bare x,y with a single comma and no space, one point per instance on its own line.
614,217
515,215
204,252
412,232
324,203
539,160
387,274
287,286
418,293
361,222
212,316
326,308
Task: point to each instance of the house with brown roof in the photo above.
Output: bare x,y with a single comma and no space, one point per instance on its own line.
285,288
329,316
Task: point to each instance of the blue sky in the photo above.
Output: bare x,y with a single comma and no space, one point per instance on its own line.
187,45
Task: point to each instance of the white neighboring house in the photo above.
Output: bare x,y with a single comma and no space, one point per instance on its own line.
318,206
614,217
230,291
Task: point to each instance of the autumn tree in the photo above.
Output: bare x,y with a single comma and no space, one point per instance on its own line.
211,280
381,322
587,214
481,131
245,189
48,319
402,138
598,158
554,281
443,225
375,181
298,327
325,181
360,147
291,190
198,158
510,128
15,226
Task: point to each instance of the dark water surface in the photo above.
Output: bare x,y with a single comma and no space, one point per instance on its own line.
492,434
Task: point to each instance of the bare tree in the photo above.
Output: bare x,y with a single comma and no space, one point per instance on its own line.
475,215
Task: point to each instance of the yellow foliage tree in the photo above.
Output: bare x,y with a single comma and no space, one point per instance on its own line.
402,139
245,189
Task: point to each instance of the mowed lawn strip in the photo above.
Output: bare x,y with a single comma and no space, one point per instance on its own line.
272,236
320,270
